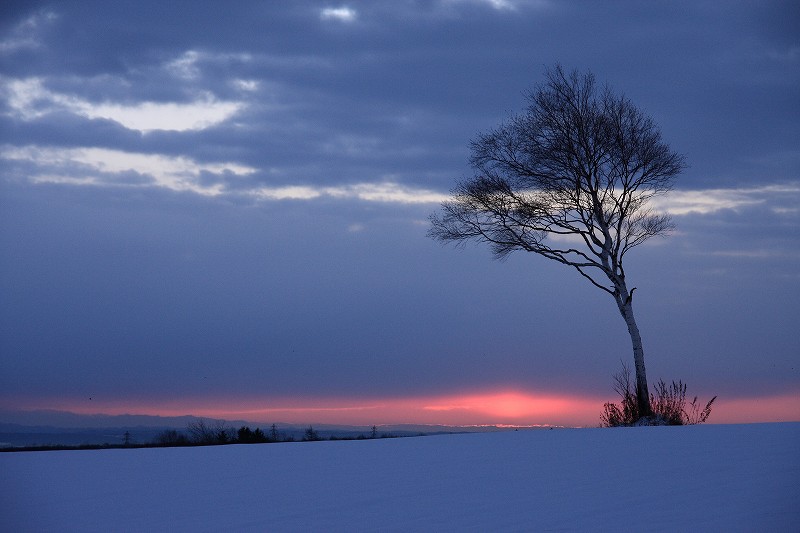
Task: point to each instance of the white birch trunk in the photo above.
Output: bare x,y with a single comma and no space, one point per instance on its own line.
625,304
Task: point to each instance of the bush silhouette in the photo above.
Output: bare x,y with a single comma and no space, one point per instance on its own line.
668,405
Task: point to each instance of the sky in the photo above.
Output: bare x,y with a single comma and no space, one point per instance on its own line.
221,209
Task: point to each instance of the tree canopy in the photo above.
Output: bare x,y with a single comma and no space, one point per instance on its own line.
569,179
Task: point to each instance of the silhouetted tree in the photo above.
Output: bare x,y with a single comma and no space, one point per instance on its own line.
244,435
216,433
311,434
247,436
569,179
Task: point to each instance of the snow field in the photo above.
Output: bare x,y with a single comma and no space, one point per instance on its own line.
694,478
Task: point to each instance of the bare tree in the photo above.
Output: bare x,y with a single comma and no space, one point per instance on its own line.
569,179
210,433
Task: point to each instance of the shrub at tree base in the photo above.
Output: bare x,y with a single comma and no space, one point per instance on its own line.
668,405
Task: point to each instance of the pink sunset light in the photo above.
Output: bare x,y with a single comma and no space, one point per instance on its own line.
513,408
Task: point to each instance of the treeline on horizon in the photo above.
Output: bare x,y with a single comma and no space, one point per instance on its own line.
201,433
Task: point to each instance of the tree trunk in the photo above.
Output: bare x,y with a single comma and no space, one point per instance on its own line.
625,304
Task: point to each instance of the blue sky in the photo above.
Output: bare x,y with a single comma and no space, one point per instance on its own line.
228,203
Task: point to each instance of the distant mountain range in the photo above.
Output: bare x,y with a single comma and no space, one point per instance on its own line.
66,419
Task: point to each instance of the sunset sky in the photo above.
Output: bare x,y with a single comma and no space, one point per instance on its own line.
220,209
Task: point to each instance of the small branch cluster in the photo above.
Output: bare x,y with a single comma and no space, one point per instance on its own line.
695,415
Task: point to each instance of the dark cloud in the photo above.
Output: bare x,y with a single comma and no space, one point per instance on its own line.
383,95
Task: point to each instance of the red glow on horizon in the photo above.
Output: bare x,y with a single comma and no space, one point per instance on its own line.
489,408
505,406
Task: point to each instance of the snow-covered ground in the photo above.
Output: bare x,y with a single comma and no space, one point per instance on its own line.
697,478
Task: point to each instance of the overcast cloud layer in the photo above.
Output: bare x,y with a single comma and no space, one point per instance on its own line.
232,200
